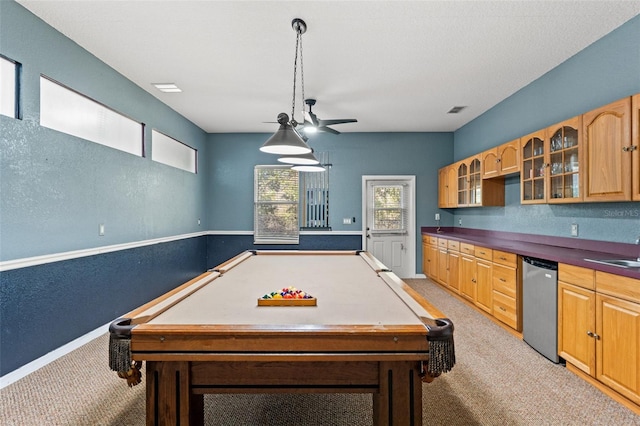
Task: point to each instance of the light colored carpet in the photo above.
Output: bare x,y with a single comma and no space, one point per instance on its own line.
498,380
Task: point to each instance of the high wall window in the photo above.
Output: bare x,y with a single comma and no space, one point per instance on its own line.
68,111
9,87
275,205
173,153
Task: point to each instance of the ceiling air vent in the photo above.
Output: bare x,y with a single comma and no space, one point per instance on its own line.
456,109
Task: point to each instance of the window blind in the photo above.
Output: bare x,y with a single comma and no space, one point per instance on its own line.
389,208
275,205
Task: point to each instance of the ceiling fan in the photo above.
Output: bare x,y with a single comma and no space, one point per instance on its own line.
312,123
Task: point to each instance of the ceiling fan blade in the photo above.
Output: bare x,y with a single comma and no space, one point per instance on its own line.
328,130
337,121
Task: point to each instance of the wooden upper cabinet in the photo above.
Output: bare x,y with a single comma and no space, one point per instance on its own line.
452,185
447,186
490,164
564,144
607,152
501,160
635,147
509,157
463,183
443,188
535,170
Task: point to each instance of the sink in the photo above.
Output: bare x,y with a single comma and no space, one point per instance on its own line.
623,263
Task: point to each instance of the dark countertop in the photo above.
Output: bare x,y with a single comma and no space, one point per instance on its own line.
556,249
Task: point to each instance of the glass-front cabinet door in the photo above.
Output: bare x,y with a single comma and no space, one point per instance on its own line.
534,168
564,161
463,182
475,181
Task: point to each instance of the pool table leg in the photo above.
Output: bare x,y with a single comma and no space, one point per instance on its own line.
169,397
399,400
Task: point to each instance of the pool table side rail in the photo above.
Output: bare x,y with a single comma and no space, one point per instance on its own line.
403,291
152,309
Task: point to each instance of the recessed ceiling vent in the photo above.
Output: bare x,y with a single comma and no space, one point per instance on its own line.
456,109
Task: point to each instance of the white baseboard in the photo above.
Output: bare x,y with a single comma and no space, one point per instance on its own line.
36,364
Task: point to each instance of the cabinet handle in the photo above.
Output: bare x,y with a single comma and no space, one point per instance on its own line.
633,147
502,309
503,280
594,335
625,148
503,258
473,280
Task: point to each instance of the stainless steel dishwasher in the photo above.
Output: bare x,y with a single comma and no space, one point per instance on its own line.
540,306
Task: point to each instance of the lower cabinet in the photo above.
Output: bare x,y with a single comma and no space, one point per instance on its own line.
468,277
576,326
599,327
484,290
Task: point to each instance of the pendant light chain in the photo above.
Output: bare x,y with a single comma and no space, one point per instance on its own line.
295,74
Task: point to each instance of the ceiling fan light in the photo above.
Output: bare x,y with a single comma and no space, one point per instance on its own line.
308,168
310,129
304,159
285,141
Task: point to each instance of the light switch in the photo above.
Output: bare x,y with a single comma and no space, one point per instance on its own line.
101,229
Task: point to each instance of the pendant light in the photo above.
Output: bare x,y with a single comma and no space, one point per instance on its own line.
286,140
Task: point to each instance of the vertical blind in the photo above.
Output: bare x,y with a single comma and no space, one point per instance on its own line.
316,196
275,205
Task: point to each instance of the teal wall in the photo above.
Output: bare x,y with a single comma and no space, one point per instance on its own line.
232,158
57,188
606,71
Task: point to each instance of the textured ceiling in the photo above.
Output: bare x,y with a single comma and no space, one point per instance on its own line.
396,66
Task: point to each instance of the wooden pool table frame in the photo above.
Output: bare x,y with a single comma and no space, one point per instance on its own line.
184,362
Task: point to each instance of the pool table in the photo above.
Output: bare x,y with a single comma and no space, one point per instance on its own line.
367,332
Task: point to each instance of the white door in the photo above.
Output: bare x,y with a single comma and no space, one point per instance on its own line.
389,221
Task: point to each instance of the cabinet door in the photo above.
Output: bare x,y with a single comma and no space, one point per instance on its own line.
474,197
533,179
509,157
618,345
462,186
635,147
607,137
454,271
576,325
443,277
490,164
443,188
563,143
433,262
468,277
452,186
425,260
484,286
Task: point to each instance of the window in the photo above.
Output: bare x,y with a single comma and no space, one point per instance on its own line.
390,215
173,153
275,205
9,88
70,112
315,196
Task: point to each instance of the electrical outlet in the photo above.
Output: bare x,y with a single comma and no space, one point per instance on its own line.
437,216
346,221
574,229
460,222
101,229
